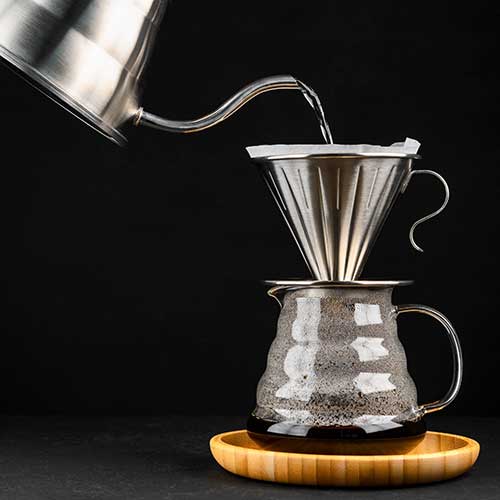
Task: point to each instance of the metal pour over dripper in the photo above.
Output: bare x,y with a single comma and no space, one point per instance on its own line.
335,204
89,56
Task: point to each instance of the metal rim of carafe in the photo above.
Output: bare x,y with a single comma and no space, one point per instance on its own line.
54,92
298,284
279,287
326,156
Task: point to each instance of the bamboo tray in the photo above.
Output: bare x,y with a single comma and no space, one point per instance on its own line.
438,457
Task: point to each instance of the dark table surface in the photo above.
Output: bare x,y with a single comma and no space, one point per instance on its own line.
72,458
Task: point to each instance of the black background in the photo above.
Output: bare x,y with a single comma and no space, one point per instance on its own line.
131,276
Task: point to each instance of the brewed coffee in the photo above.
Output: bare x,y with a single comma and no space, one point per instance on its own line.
405,429
347,440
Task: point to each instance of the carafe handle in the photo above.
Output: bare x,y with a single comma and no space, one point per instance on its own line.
456,353
433,214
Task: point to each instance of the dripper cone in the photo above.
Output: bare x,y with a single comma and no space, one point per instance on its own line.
335,204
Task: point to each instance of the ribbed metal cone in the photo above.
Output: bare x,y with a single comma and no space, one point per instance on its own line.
335,205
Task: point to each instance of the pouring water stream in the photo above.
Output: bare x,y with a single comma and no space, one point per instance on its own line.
314,101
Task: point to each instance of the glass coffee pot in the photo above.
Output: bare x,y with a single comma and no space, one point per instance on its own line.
337,370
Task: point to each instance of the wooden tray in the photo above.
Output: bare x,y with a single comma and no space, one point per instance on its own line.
438,457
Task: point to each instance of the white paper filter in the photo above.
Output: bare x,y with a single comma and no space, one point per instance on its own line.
409,146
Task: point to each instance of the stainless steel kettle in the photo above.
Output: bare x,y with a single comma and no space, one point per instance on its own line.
89,56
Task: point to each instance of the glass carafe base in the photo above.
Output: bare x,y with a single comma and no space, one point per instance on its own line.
344,440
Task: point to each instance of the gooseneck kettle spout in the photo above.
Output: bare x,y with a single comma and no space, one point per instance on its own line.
225,110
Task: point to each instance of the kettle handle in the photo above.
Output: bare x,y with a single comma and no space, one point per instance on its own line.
456,353
225,110
433,214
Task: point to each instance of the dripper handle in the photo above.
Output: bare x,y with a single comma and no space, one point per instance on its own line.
225,110
456,353
433,214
